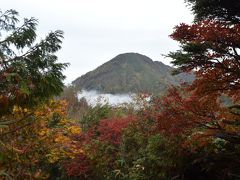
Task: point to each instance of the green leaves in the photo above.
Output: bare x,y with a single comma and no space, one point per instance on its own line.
179,58
25,35
52,41
24,88
8,20
226,10
9,76
29,71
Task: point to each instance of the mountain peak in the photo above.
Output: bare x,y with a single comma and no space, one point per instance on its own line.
128,73
132,54
131,57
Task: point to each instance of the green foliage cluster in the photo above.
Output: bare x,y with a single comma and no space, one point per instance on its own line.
29,77
101,111
29,71
94,115
226,10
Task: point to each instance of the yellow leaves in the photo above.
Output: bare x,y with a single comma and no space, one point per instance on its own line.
43,112
15,109
75,151
63,122
43,132
62,145
60,107
62,148
61,138
53,156
57,107
74,129
18,109
62,152
46,139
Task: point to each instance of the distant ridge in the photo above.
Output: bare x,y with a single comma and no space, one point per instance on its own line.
130,73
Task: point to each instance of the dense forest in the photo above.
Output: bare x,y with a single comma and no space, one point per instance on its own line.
188,133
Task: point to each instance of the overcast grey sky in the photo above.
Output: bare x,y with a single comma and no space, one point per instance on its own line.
98,30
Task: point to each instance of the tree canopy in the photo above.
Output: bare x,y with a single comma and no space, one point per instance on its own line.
226,10
211,49
29,71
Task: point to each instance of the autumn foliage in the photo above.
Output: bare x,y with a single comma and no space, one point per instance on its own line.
197,123
191,132
111,130
210,48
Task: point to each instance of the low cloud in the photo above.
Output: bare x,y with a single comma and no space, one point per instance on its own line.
94,97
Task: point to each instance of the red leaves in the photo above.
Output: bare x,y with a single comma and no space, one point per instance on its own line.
208,31
178,112
108,131
216,81
111,130
183,32
213,49
79,167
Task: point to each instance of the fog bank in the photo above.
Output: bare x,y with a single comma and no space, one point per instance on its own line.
94,97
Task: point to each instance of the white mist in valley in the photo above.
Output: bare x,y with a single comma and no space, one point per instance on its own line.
95,97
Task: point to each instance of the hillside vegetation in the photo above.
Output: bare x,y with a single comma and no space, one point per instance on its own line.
130,73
